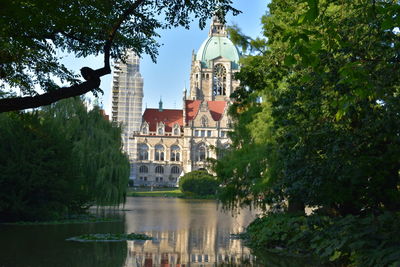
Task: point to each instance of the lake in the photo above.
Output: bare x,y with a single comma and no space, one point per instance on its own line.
186,232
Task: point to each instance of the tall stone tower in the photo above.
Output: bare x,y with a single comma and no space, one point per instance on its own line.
127,96
214,65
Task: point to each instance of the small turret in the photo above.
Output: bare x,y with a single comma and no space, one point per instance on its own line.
217,28
160,107
184,105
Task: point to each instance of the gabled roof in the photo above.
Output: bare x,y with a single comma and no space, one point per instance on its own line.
192,107
168,116
216,109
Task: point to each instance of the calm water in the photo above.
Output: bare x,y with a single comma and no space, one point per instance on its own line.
186,232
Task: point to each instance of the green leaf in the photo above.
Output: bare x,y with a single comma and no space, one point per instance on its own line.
289,60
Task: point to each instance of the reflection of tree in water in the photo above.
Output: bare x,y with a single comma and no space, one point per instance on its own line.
38,245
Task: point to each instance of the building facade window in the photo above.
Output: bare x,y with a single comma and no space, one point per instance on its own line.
204,121
176,130
200,153
219,80
223,134
175,153
221,151
175,170
143,169
143,150
159,152
160,130
159,169
145,129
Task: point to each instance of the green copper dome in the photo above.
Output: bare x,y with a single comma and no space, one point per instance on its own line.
218,46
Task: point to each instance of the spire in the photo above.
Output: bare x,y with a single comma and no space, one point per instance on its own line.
217,28
160,108
184,92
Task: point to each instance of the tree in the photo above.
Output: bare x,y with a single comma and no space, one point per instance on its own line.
59,162
200,183
329,113
37,171
102,167
317,124
34,31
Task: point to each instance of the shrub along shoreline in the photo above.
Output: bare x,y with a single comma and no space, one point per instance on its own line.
166,192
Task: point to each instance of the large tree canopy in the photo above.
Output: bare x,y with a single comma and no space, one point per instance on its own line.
327,128
317,124
33,31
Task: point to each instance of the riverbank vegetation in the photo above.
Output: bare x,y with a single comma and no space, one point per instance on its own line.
317,125
155,192
59,161
193,185
199,184
109,237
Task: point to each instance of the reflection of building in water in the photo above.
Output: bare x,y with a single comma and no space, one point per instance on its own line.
206,245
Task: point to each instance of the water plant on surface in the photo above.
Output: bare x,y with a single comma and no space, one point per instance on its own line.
70,220
109,237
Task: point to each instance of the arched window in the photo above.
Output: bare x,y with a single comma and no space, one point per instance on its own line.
204,121
145,129
200,153
158,152
175,153
176,129
159,169
219,80
160,130
175,170
143,150
143,169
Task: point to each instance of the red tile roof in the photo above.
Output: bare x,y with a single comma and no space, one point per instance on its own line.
216,109
192,107
168,116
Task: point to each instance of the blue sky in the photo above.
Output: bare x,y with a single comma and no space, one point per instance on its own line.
168,76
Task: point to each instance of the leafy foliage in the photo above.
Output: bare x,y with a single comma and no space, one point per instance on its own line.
58,162
34,32
102,166
365,241
328,120
198,182
36,169
316,124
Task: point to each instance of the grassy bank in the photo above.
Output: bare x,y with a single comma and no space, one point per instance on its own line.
163,192
157,192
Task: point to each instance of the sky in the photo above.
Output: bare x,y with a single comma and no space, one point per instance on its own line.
167,78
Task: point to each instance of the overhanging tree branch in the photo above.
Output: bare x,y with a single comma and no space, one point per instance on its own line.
93,79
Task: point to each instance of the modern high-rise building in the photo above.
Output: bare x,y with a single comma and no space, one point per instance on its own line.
127,96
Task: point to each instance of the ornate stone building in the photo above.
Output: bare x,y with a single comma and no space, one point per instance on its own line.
172,142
